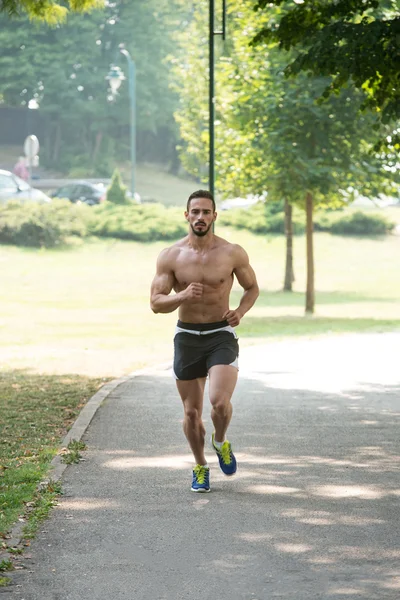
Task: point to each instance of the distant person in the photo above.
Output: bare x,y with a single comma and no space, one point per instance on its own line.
20,168
200,268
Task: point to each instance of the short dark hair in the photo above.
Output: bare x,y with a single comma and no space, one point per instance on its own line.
200,194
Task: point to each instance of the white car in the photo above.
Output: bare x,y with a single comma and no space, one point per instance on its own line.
15,188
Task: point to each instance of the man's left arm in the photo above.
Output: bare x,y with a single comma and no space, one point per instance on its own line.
247,279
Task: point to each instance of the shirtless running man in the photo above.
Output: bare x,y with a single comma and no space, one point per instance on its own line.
200,269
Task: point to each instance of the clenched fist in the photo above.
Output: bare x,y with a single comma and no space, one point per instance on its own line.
233,317
193,292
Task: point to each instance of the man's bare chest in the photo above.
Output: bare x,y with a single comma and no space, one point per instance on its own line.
212,270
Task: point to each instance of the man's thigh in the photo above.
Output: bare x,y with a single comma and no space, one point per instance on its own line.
222,382
191,392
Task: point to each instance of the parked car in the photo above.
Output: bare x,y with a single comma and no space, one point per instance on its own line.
82,191
13,187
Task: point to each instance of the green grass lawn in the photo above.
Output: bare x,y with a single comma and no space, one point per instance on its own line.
35,413
71,318
86,310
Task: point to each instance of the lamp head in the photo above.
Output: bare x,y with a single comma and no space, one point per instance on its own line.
115,77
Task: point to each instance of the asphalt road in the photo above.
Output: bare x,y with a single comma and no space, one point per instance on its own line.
312,514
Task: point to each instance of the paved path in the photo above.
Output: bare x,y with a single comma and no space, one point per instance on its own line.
313,512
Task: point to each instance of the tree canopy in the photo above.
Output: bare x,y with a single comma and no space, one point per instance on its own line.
271,135
348,40
64,68
47,10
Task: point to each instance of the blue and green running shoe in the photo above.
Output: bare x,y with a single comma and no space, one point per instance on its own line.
201,479
227,460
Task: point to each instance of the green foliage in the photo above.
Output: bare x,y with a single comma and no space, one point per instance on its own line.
64,68
55,224
43,501
46,10
262,218
36,410
271,134
139,222
41,225
72,454
6,565
349,40
359,223
116,192
190,82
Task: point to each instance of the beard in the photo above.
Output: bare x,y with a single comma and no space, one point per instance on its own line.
202,232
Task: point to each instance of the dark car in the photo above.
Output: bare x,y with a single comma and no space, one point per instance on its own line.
83,191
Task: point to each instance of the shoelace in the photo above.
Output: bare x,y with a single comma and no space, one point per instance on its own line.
226,453
200,473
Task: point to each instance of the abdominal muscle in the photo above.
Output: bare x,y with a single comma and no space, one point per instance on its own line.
210,309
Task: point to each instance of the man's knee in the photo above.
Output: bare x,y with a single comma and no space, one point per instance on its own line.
192,414
220,403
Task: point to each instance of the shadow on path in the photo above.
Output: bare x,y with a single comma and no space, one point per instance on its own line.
312,513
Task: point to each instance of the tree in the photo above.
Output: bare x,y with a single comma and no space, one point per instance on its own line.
47,10
348,41
116,192
64,69
271,134
190,83
309,154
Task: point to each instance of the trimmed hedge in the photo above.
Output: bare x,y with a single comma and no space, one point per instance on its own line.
141,222
41,225
50,225
359,223
263,218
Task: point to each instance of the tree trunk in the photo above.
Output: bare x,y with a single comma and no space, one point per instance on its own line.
57,143
97,144
86,138
310,295
289,272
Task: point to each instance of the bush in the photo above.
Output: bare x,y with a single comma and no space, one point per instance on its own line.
359,223
262,218
116,193
323,220
140,222
41,225
50,225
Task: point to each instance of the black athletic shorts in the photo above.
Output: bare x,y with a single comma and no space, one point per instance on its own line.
200,346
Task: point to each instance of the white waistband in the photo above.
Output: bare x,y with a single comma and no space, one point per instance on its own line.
195,332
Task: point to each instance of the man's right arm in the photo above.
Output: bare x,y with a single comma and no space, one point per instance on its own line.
160,300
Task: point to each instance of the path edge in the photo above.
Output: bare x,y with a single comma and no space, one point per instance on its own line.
76,432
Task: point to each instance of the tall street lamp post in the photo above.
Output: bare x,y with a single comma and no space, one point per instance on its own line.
115,78
211,95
